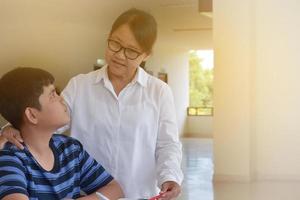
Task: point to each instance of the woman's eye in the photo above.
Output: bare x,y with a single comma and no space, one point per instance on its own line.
131,51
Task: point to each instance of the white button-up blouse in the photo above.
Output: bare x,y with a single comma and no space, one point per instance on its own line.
133,135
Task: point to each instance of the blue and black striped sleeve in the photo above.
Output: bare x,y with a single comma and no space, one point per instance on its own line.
12,175
93,175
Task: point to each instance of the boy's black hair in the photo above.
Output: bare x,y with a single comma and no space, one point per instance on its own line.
21,88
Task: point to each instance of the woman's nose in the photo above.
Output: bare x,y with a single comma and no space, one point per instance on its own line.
121,54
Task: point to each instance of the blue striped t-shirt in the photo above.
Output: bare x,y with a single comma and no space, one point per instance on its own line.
74,171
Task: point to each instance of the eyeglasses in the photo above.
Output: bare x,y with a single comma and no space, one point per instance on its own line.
116,47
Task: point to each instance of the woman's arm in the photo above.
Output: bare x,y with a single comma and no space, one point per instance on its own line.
168,148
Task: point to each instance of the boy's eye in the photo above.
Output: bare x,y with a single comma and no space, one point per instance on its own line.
57,90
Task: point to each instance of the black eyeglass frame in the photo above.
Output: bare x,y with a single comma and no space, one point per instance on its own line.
121,48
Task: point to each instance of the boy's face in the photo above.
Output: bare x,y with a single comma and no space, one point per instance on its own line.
53,113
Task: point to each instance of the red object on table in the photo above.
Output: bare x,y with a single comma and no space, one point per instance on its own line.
156,197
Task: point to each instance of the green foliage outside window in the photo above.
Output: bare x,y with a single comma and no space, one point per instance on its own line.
201,83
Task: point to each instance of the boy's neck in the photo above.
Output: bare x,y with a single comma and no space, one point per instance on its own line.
36,140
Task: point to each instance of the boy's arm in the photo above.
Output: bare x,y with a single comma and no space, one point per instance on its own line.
12,177
94,178
16,197
112,191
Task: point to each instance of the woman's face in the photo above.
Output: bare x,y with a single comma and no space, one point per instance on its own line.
123,54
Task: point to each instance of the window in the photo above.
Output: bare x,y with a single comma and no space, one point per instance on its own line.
201,82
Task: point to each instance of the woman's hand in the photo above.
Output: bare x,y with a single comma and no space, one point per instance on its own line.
13,136
170,190
3,140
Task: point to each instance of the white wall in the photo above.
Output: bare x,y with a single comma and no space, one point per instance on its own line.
2,121
62,36
199,126
257,104
66,37
232,89
277,85
171,55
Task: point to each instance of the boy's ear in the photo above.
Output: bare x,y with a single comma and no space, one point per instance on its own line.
31,115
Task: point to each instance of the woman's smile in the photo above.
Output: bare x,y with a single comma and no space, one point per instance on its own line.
118,64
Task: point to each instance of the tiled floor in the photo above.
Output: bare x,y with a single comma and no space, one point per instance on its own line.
198,171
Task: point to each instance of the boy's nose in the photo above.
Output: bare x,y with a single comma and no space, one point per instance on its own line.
62,100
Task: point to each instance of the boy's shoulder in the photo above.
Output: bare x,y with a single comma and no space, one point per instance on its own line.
11,150
11,155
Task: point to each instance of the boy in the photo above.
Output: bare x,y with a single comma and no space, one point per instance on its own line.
50,166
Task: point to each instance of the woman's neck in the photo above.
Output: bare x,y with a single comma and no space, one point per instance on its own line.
120,82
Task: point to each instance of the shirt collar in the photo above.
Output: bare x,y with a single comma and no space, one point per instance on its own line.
141,76
102,74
